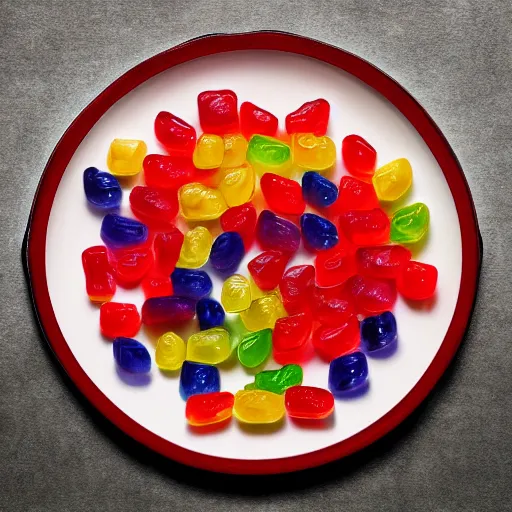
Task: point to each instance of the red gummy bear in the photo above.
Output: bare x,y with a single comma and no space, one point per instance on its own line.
290,338
119,319
417,281
358,156
365,227
256,120
354,194
372,295
157,285
218,111
332,306
308,403
176,135
333,342
155,207
384,261
267,269
334,266
242,220
296,288
167,248
312,117
99,275
131,265
208,409
282,194
164,171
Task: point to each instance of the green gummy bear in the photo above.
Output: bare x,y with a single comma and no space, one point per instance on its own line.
255,347
236,329
268,154
278,381
410,223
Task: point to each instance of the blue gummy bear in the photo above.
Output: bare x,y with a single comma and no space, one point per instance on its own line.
227,252
198,378
102,189
210,314
118,232
319,233
131,355
274,232
191,283
347,373
378,332
317,190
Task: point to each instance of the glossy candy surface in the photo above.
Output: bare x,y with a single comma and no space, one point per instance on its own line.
211,346
242,220
384,261
167,248
118,232
198,202
153,206
162,171
317,190
308,403
254,120
263,313
333,342
290,338
209,313
170,352
372,295
258,407
255,348
102,189
311,117
314,153
156,284
192,283
267,269
236,294
236,329
410,224
378,332
171,310
131,355
119,319
417,281
335,265
355,194
218,111
209,151
267,154
365,227
227,253
347,373
278,381
296,286
274,232
99,275
175,134
196,248
131,265
332,306
125,157
209,408
235,150
198,378
393,180
358,156
319,234
237,185
282,194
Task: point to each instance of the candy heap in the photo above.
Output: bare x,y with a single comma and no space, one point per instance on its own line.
340,307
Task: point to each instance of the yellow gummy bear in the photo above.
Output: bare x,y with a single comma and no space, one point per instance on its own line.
256,406
236,294
170,352
211,346
198,202
237,185
391,181
125,157
263,313
209,151
313,153
257,293
235,149
196,248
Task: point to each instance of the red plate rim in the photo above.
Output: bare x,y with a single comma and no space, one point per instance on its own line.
34,250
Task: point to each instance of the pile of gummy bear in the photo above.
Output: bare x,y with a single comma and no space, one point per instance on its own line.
339,308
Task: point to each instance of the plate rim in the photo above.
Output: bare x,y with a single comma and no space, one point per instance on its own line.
34,243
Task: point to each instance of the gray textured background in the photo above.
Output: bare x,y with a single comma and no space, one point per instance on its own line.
455,57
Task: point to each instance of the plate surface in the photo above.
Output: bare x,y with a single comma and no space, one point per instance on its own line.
62,226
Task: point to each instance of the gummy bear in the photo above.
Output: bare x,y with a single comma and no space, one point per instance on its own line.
267,154
348,373
125,157
296,287
393,180
218,111
155,284
198,378
167,248
99,275
274,232
255,348
131,355
255,120
263,313
319,234
258,407
372,295
317,190
102,189
257,292
384,261
365,227
155,207
358,156
196,248
209,313
410,224
199,202
417,281
209,151
267,269
176,135
211,346
308,403
282,194
131,265
314,153
242,220
120,232
311,117
170,352
378,332
236,329
227,253
332,306
332,342
119,319
290,338
354,194
278,381
195,284
162,171
335,265
235,150
168,310
209,408
237,185
236,294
